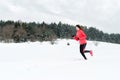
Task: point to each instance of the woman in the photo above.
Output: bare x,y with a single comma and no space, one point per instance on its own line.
81,37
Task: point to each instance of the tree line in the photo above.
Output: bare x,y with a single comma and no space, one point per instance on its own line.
11,31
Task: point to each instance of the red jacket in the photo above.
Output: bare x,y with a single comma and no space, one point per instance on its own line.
80,36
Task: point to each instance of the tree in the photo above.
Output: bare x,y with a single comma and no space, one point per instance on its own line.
7,32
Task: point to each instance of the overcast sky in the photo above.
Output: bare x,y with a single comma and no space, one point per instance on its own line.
102,14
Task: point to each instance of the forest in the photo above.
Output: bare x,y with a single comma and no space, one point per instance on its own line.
18,31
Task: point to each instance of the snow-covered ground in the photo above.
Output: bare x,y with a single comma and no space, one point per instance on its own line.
43,61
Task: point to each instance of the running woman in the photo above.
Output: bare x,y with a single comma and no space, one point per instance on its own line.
81,37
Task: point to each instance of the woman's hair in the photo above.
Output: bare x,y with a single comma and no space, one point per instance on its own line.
80,27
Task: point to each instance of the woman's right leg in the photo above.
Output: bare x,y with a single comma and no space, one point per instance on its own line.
82,47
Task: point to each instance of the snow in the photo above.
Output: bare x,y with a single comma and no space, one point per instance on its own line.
43,61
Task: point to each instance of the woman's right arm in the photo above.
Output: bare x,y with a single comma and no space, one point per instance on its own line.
76,38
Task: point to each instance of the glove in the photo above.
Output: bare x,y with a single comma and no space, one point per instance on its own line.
76,38
73,36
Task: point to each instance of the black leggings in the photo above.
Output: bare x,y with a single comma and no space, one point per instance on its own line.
82,50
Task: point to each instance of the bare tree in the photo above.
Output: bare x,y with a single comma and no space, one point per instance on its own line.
19,34
7,32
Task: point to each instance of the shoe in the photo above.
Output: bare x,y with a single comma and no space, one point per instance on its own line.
91,53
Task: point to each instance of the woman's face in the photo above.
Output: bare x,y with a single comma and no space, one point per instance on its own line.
77,28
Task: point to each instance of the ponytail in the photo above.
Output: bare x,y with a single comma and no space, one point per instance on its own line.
80,27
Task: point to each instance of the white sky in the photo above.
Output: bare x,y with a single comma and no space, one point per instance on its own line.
102,14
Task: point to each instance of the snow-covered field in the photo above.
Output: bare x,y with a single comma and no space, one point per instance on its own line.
43,61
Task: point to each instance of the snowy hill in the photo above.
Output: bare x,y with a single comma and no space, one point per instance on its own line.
43,61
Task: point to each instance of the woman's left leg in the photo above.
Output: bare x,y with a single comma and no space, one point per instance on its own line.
87,51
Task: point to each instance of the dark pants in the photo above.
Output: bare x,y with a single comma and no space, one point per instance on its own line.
82,50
